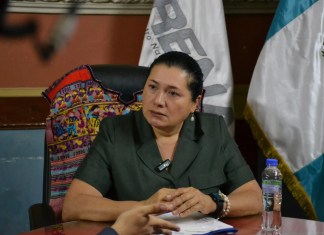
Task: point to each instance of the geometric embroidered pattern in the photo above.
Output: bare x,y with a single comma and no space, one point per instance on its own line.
78,103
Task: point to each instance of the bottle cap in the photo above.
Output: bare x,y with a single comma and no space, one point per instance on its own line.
271,162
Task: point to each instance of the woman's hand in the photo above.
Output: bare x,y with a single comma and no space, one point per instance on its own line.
189,200
161,196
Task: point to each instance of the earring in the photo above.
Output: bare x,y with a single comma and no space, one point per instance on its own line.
192,118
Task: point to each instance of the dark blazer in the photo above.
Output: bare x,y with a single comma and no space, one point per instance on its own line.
122,160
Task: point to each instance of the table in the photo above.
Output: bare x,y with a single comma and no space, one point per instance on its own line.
290,226
249,225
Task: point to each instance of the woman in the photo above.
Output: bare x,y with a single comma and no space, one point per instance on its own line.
207,172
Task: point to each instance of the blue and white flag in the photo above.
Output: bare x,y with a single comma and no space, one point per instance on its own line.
285,104
196,27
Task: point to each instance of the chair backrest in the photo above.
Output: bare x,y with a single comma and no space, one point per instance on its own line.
78,102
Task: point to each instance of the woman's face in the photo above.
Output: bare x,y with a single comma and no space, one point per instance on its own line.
166,98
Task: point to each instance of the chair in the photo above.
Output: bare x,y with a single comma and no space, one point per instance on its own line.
78,102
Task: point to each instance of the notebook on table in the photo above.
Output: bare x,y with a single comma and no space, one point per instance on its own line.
199,224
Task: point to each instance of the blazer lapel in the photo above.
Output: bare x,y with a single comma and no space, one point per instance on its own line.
147,149
151,157
186,153
187,147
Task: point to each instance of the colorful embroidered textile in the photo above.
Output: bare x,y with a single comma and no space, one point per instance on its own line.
77,105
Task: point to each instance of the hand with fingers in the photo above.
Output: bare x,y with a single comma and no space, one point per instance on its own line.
189,200
161,196
142,220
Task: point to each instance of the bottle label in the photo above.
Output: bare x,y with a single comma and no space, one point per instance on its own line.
271,194
271,186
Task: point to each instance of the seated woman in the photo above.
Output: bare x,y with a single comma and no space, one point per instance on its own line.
207,172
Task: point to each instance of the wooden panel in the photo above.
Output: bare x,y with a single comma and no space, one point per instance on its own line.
246,143
23,112
246,37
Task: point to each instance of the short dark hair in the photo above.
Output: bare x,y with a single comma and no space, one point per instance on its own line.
186,63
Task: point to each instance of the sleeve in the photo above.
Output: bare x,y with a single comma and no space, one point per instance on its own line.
236,169
108,231
96,166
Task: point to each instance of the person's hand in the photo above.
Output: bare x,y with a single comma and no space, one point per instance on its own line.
189,200
140,220
161,196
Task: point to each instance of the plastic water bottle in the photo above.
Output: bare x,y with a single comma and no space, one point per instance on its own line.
272,196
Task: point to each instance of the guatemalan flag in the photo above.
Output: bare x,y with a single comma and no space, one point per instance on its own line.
196,27
285,104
